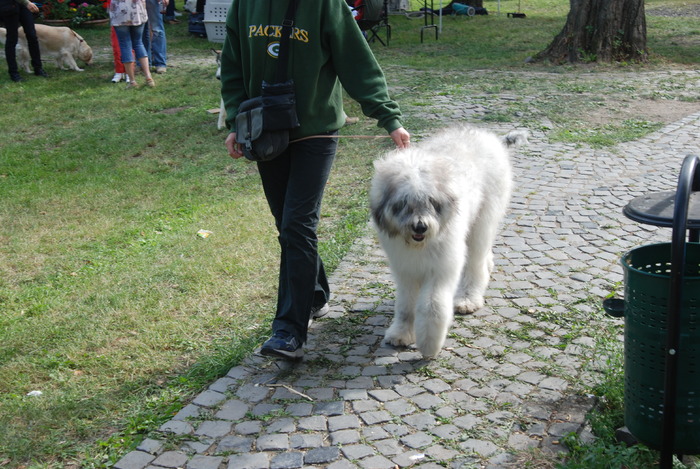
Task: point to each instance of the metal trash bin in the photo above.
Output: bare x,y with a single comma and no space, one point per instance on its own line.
662,324
647,285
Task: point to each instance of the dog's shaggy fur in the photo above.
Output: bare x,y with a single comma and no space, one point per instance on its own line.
58,42
436,207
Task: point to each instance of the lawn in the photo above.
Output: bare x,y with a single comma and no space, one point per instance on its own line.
111,304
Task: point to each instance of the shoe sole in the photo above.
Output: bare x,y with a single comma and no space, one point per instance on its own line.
325,309
296,356
322,311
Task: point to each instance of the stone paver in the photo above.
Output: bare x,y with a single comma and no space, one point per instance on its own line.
508,378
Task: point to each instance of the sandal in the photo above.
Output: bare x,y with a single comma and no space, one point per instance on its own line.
131,85
150,82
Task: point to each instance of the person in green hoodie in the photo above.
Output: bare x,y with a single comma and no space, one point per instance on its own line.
327,53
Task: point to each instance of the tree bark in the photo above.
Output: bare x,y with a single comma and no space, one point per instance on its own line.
601,31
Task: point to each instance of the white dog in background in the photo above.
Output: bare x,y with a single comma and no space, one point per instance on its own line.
221,124
59,42
191,6
437,207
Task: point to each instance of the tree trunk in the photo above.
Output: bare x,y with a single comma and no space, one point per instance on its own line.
601,31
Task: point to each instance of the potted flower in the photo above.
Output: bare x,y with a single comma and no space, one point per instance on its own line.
75,12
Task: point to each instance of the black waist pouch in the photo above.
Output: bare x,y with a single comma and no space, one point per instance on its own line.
263,123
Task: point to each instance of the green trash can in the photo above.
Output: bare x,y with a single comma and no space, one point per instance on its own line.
647,285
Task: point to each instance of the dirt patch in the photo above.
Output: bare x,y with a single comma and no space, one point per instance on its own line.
579,97
674,11
174,110
650,110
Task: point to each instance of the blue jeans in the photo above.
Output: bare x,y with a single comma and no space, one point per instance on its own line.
293,184
154,35
130,39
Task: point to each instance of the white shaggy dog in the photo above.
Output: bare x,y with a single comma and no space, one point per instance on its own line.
436,207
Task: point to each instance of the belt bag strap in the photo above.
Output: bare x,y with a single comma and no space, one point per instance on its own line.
283,57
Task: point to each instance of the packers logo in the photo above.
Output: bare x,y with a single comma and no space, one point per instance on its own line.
273,49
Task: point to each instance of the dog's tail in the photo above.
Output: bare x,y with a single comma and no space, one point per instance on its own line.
515,138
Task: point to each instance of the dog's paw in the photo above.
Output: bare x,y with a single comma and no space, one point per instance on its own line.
398,338
468,305
430,347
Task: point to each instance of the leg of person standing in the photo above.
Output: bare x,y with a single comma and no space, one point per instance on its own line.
26,19
169,16
119,71
146,38
126,54
154,36
294,183
130,43
11,21
140,51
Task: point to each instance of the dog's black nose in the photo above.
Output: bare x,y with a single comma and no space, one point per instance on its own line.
420,228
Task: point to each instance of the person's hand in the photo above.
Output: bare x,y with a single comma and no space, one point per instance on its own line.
32,7
401,137
233,147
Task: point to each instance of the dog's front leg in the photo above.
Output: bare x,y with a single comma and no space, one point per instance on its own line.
432,325
68,61
222,116
478,266
23,57
400,333
470,294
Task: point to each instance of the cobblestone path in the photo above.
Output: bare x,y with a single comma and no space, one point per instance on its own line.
511,377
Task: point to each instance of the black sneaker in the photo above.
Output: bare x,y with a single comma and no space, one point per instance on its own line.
15,77
283,345
41,73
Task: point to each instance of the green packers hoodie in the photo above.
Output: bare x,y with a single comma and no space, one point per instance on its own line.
327,53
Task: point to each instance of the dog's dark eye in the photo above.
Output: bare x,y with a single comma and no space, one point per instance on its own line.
437,206
396,209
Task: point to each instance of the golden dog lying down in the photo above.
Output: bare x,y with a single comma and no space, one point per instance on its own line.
58,42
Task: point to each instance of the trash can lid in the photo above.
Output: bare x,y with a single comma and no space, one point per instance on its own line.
657,209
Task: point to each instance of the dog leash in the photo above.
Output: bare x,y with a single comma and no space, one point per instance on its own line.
339,136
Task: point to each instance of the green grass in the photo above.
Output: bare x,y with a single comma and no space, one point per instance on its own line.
605,452
114,308
490,41
608,134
